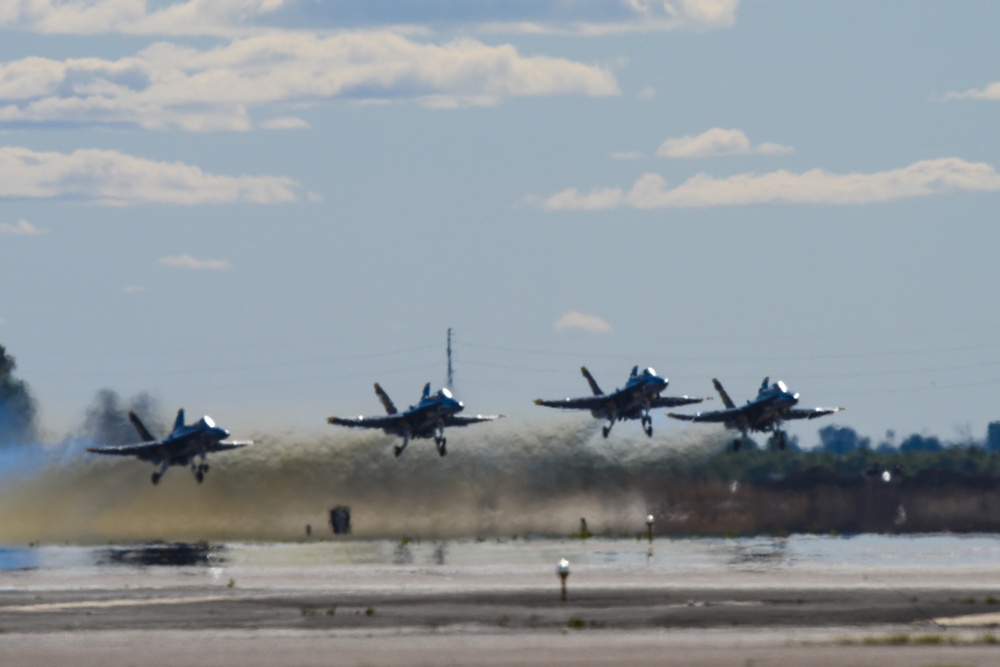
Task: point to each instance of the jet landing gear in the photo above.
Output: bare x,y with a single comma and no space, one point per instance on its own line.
399,448
647,425
199,471
780,439
442,445
605,430
158,475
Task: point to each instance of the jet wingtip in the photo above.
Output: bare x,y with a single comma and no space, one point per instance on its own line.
331,420
539,401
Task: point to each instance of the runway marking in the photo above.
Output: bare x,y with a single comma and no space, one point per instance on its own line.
970,620
63,606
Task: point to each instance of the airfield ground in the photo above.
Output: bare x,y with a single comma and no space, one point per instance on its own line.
302,612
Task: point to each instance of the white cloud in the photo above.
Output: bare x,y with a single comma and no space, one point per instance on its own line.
20,228
816,186
241,17
990,92
115,178
627,155
172,86
570,199
715,142
286,123
575,320
189,262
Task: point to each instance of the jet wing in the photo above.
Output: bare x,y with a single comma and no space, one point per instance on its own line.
587,403
462,420
674,401
366,422
810,414
143,449
715,417
224,445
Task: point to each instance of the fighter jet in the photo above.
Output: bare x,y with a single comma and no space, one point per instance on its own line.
773,405
426,419
640,395
180,448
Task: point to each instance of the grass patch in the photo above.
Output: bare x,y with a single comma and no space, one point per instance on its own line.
576,623
331,610
899,639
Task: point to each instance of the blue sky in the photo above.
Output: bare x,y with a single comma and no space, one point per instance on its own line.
257,208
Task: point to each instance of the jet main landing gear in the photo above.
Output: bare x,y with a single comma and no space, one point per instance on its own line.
199,471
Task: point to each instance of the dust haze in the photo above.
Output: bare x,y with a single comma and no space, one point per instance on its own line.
498,479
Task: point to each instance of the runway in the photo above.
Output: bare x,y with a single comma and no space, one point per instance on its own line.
755,601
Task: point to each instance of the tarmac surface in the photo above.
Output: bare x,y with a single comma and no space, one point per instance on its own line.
687,602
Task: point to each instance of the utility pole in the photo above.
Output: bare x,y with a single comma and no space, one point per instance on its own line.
451,376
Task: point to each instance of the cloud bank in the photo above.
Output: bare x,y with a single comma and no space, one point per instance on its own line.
816,186
990,92
189,262
233,17
173,86
20,228
717,142
577,321
113,178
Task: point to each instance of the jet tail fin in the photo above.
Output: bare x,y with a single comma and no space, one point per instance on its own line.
387,403
763,385
140,427
427,391
179,422
728,402
591,381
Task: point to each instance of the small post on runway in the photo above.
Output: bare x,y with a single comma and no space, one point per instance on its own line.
562,569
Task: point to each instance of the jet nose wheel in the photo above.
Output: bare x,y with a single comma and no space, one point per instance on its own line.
200,476
398,450
736,445
605,430
156,478
649,430
443,447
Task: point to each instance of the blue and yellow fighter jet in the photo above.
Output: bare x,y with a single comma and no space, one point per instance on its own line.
640,395
426,419
182,447
774,404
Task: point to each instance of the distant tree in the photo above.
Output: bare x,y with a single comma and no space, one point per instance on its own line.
993,437
919,443
17,406
841,440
